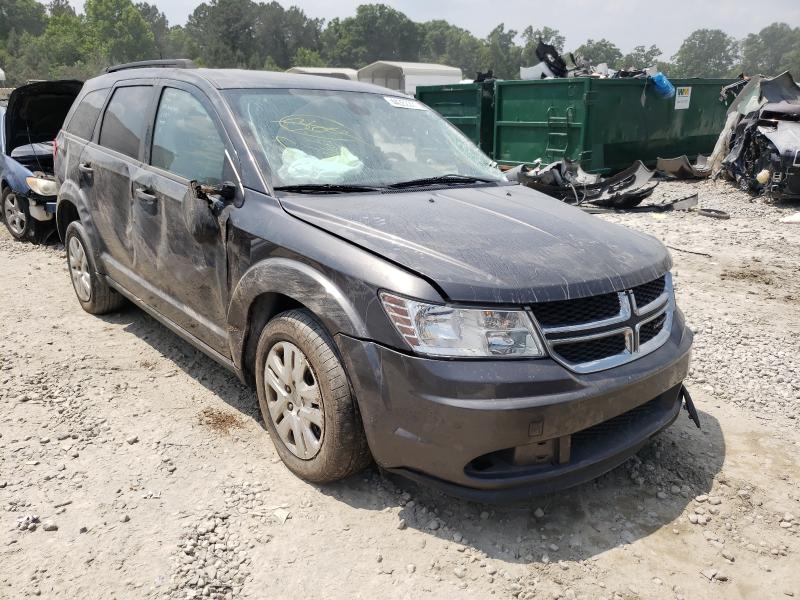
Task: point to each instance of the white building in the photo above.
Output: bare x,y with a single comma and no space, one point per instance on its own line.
406,76
337,73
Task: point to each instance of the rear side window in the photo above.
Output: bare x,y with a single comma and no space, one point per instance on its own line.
85,116
185,140
124,120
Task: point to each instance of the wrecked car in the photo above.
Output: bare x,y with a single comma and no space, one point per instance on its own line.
567,181
388,292
30,123
760,145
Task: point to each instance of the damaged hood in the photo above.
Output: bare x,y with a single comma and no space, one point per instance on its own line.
36,112
493,244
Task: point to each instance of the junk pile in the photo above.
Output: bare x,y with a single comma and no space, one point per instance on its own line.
569,183
554,65
759,147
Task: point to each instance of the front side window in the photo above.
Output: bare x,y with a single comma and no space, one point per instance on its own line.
354,138
185,140
85,116
123,123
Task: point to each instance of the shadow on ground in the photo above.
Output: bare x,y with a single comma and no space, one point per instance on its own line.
577,524
211,375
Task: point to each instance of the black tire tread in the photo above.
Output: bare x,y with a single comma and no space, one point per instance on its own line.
350,452
104,298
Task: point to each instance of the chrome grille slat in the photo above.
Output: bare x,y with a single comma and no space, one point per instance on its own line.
597,344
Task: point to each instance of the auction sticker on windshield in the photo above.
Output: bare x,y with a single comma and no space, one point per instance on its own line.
405,103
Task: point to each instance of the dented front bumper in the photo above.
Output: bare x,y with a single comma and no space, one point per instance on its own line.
504,430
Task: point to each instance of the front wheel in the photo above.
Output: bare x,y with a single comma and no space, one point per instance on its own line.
306,401
16,216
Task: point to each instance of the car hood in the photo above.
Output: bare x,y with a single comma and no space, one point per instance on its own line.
491,244
36,111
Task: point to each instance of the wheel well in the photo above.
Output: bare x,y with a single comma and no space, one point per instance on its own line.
67,213
261,311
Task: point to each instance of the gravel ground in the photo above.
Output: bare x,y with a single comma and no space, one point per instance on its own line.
131,466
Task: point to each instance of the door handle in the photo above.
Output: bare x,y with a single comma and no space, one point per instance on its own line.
85,168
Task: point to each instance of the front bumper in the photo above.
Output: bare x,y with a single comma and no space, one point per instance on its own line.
506,430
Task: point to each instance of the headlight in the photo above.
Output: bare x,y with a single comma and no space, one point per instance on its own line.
42,186
440,330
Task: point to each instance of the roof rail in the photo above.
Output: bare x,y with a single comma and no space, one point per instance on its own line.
169,63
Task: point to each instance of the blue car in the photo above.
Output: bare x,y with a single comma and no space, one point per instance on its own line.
30,122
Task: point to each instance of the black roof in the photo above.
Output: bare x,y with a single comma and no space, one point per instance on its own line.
224,79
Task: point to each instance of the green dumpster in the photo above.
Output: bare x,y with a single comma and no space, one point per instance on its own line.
468,106
606,124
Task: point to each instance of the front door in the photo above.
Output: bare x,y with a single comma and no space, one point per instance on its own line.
187,277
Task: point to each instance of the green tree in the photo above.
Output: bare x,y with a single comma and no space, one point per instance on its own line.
157,21
640,57
531,37
22,16
119,30
443,43
65,40
376,32
223,33
307,58
503,56
280,33
705,53
772,50
59,8
600,51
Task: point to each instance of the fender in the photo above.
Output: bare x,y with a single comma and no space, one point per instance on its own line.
71,192
298,281
15,175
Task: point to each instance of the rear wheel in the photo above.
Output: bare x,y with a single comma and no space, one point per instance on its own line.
306,401
94,294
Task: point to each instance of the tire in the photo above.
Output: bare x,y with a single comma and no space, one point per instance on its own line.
317,403
93,293
16,216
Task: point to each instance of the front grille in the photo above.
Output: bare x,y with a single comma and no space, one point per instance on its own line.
648,292
604,331
591,350
563,313
652,328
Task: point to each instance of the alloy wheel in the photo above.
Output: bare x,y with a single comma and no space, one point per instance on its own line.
79,269
15,216
294,400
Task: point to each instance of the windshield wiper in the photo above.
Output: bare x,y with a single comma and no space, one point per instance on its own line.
452,178
325,188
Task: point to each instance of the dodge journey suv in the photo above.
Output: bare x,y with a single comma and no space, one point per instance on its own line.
389,293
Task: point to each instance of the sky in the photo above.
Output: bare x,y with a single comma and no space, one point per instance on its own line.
627,23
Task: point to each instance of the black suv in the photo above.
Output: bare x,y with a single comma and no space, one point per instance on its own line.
391,295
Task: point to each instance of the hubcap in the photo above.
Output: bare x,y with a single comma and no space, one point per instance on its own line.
79,269
294,400
15,216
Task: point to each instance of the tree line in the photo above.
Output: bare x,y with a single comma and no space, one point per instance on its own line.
40,41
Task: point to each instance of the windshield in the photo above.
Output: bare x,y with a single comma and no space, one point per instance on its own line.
311,137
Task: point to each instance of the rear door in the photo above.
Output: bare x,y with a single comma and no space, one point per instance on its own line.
107,169
188,278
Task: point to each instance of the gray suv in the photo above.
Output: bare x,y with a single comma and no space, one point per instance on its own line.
389,293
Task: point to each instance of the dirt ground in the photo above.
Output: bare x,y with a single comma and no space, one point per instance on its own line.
132,466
